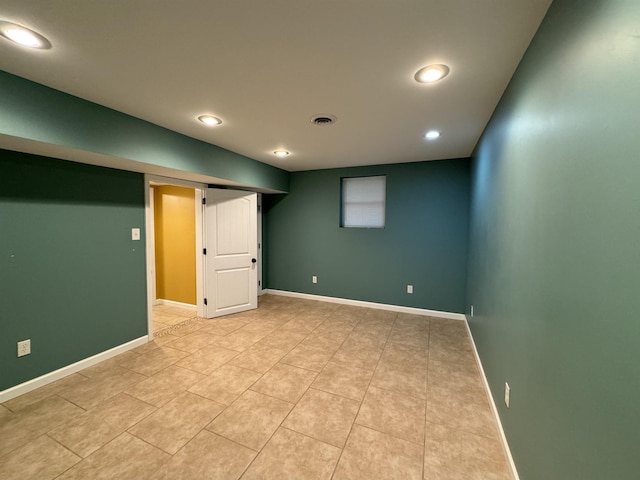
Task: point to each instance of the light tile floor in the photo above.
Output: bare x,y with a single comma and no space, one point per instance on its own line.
167,318
296,389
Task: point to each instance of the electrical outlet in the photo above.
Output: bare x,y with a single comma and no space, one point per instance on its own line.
24,347
409,288
135,234
471,311
314,279
507,394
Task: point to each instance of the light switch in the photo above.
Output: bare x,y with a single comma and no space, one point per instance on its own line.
135,234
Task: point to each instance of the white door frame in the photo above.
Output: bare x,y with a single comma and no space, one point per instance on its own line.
150,243
200,258
260,292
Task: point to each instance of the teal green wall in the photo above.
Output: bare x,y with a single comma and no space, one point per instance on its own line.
71,278
35,112
423,244
554,271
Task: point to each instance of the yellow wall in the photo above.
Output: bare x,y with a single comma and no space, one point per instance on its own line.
175,232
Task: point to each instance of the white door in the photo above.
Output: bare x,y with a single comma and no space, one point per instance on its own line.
231,242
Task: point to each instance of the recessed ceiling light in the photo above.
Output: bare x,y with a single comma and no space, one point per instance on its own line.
281,153
432,135
210,120
431,73
23,36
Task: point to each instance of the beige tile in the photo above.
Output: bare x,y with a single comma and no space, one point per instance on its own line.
109,366
290,455
207,359
251,419
84,434
189,328
412,320
410,336
192,342
285,382
177,422
5,413
225,384
447,326
13,435
282,340
347,382
123,411
383,315
40,459
452,339
373,326
175,319
158,326
47,414
165,385
146,348
164,339
447,368
223,326
327,340
207,456
258,359
334,328
368,340
239,340
455,383
261,327
323,416
357,312
404,355
447,354
406,380
398,415
154,361
358,355
101,387
41,393
459,412
452,454
125,457
309,356
304,322
371,454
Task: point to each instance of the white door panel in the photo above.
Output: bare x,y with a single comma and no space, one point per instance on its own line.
233,288
232,245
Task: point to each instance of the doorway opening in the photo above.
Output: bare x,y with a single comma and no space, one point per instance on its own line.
175,282
176,229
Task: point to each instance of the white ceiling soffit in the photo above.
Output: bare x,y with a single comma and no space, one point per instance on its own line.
266,67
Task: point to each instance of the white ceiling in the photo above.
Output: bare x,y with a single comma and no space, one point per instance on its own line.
265,67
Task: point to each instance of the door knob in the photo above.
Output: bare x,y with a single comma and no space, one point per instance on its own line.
253,260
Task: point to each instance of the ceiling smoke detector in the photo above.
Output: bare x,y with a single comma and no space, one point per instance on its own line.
323,119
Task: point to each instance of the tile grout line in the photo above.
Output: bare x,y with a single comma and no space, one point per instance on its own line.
363,398
284,419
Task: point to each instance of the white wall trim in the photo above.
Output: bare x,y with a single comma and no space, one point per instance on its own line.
503,437
360,303
50,377
172,303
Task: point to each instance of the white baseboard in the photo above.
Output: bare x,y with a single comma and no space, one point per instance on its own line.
171,303
505,444
50,377
360,303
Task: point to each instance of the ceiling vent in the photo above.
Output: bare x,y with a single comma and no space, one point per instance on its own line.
323,119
